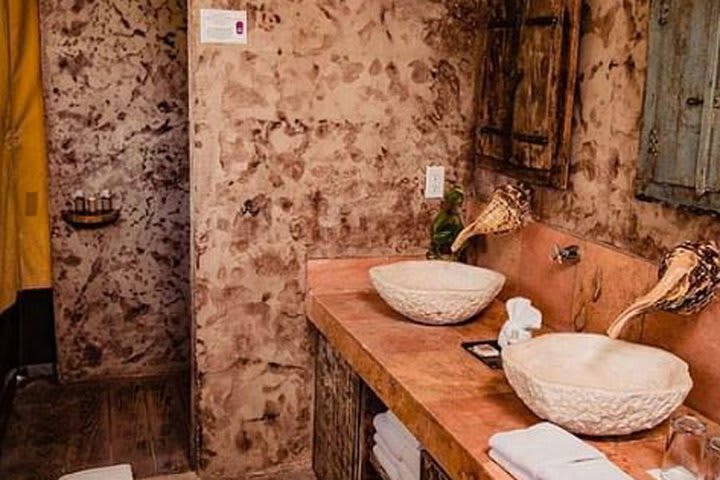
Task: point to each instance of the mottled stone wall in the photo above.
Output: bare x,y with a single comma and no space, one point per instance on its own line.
600,203
116,99
310,141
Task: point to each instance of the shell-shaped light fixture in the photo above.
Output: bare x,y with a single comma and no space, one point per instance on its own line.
689,276
508,210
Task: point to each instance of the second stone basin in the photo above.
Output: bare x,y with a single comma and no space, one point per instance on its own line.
435,292
593,385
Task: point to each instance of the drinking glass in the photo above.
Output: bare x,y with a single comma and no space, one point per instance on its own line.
684,449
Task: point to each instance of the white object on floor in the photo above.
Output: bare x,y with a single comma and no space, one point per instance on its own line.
522,319
117,472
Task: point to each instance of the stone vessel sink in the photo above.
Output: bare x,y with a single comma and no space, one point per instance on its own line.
593,385
436,292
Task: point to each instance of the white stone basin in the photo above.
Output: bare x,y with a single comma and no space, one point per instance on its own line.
593,385
436,292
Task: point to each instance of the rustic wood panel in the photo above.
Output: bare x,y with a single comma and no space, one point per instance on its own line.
537,96
130,422
337,414
526,89
57,429
495,112
90,423
168,436
679,146
430,470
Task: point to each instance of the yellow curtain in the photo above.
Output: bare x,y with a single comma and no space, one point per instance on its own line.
24,224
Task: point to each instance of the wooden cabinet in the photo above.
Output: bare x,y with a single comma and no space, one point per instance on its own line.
525,89
336,438
344,410
680,146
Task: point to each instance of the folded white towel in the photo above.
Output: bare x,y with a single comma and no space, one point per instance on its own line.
386,462
516,472
388,422
541,445
547,452
395,433
117,472
411,440
406,469
598,469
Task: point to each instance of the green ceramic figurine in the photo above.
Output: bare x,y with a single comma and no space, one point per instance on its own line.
446,226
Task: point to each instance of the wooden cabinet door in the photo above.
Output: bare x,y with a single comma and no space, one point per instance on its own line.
526,89
680,148
336,439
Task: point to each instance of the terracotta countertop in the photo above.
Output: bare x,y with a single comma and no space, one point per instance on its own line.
449,400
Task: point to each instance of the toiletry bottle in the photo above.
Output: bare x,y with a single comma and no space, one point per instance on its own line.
79,205
105,201
92,204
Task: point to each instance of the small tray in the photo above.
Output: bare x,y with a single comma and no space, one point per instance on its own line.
90,220
487,351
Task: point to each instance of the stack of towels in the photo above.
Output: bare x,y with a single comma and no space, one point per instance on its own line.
396,449
547,452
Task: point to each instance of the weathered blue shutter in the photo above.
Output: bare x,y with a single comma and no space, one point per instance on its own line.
679,147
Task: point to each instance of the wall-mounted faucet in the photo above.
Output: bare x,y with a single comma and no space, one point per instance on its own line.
508,210
565,255
689,276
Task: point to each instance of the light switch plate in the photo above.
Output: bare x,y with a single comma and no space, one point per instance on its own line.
223,26
434,182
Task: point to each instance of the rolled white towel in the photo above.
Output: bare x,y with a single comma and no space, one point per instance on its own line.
386,462
396,436
409,470
540,446
387,422
117,472
409,437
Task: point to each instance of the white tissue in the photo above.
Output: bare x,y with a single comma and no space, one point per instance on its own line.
522,318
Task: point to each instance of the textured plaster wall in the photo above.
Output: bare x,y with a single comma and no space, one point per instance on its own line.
116,100
600,203
309,141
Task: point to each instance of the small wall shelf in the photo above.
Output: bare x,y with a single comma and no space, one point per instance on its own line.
90,220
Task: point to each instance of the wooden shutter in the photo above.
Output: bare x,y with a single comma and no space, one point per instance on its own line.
526,89
680,143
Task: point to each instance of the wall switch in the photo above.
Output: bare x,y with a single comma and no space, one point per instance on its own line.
434,182
223,26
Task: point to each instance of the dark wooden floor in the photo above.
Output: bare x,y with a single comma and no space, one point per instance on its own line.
57,429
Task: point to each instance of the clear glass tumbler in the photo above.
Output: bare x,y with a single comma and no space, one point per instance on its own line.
711,470
684,449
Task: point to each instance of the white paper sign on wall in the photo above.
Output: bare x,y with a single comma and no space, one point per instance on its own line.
223,26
